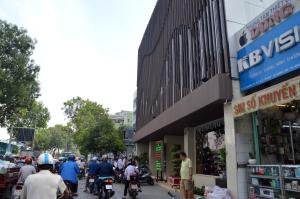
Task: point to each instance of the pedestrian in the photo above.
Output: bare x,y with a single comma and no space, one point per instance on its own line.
186,174
69,172
44,185
26,170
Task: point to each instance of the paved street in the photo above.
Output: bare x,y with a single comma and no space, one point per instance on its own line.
149,192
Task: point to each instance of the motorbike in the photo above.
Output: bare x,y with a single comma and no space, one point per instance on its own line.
105,188
81,174
133,187
145,175
119,176
68,184
91,184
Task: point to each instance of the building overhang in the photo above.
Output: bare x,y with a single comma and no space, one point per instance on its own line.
202,105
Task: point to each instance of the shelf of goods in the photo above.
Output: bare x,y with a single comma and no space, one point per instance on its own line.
265,181
274,181
291,180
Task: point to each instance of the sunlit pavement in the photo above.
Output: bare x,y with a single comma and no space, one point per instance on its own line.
149,192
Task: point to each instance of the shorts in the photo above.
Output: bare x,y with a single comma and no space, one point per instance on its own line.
187,185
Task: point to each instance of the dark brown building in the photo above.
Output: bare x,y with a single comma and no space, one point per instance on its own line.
183,75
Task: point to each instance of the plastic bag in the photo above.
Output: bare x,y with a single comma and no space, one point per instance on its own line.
219,193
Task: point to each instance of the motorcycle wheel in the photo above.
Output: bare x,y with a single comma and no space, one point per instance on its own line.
133,196
150,181
100,194
107,195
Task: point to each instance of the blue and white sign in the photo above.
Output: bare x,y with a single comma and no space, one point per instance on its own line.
269,46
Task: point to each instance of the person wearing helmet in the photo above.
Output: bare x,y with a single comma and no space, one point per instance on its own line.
69,172
43,185
26,170
105,170
92,169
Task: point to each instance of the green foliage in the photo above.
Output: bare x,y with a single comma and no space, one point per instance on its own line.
175,159
54,138
94,131
199,191
222,154
18,72
142,159
35,116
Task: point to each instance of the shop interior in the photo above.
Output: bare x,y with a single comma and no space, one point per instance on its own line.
277,170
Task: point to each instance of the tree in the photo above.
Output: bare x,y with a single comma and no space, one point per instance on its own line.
35,116
94,131
54,138
18,72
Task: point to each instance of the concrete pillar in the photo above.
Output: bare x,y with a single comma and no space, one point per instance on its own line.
151,150
238,140
190,145
231,158
141,147
169,142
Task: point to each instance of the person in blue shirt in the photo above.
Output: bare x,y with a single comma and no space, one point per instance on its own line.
105,170
69,172
92,169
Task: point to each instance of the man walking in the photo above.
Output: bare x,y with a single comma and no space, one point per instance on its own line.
186,174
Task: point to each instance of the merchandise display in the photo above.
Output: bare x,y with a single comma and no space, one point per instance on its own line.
274,181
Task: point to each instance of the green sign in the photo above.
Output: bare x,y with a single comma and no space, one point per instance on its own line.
158,155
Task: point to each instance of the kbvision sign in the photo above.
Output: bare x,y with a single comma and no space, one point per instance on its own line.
269,46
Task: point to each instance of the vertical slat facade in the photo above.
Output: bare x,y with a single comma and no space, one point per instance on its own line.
184,45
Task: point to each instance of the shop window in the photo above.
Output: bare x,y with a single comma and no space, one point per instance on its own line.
210,147
279,134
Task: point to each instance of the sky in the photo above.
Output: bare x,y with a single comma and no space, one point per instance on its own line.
85,48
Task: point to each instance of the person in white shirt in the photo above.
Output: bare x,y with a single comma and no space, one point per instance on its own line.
44,185
120,164
131,170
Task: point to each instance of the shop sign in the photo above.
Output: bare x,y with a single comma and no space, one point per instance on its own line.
158,152
269,46
279,94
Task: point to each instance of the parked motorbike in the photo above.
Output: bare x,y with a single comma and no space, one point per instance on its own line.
133,187
145,175
105,188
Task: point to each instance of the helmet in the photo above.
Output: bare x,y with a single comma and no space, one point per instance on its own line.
104,157
95,158
71,157
45,158
28,160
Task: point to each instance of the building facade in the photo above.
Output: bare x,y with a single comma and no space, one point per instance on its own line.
122,118
195,85
184,79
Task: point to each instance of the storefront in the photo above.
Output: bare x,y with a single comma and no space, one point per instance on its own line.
269,68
